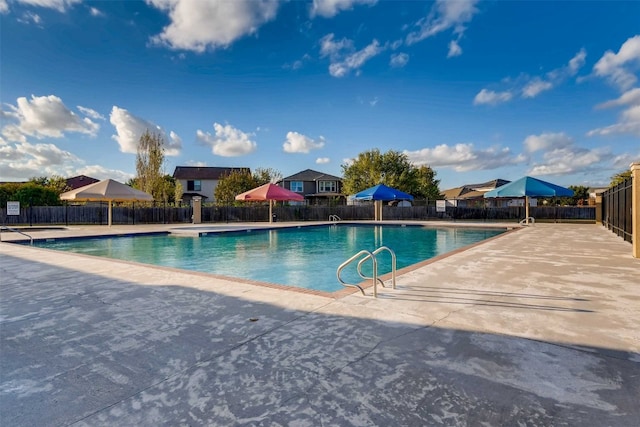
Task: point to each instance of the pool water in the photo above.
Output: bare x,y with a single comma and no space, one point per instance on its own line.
305,257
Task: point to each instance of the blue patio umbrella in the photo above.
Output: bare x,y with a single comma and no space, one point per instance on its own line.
529,187
379,193
382,192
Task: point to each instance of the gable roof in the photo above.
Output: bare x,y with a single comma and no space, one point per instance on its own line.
311,175
80,181
470,191
204,172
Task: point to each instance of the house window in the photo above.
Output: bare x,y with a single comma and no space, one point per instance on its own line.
327,187
194,185
296,186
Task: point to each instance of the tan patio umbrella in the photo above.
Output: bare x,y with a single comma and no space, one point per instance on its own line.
107,190
271,193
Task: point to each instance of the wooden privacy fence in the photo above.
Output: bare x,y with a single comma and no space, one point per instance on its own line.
122,215
617,209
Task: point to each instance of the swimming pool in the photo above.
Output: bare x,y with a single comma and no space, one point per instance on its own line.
305,257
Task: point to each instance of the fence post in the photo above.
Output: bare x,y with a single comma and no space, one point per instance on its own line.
635,208
599,209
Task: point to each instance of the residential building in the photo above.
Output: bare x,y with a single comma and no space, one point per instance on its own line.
471,195
79,181
318,188
201,180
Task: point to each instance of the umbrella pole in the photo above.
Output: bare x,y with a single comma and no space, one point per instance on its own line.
109,214
270,210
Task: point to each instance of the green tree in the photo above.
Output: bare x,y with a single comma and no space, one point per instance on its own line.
149,163
8,193
266,175
392,168
177,192
232,184
620,178
32,194
168,189
56,183
427,184
580,194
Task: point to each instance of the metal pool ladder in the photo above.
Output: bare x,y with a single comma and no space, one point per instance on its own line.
4,227
334,218
362,257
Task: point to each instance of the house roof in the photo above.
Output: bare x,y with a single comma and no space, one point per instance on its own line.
204,172
311,175
80,181
471,191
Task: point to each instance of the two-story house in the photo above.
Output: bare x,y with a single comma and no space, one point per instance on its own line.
201,180
317,188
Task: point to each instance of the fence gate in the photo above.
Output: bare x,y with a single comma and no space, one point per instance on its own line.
617,209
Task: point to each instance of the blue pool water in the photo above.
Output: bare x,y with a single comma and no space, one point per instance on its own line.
304,257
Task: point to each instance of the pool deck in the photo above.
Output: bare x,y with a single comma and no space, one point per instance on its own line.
537,327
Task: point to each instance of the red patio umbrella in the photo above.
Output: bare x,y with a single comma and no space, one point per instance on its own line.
269,192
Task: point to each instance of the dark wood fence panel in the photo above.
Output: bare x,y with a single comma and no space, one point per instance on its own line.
617,209
123,215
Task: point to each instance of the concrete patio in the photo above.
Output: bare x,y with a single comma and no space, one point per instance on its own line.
537,327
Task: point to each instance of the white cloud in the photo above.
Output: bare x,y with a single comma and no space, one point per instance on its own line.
4,7
42,117
569,160
298,143
100,172
24,160
129,129
399,60
228,141
90,112
197,25
343,56
323,160
195,163
534,87
30,17
444,15
631,97
463,157
618,68
355,60
95,11
454,49
530,87
330,8
491,97
545,141
331,48
629,120
59,5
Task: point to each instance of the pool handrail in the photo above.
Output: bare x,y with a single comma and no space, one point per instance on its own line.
349,261
393,265
4,227
334,218
375,279
528,220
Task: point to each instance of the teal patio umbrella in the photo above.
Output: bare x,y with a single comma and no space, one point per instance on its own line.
526,187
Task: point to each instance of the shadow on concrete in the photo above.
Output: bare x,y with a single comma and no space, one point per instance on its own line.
81,349
445,296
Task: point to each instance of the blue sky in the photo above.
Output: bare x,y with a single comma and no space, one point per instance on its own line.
477,90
